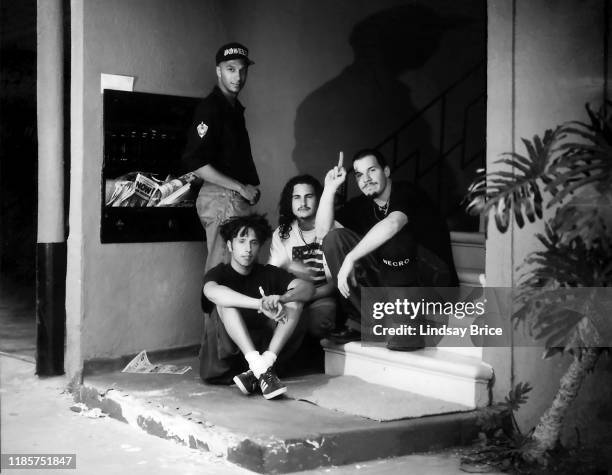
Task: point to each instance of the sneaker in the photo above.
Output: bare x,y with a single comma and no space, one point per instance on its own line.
270,385
246,382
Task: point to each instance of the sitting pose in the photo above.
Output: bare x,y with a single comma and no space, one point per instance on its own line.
393,237
296,249
251,307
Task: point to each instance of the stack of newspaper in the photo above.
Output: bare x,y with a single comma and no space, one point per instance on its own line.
147,191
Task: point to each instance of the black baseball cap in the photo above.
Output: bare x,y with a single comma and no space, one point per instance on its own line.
233,51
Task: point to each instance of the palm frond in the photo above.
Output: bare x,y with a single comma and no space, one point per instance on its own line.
516,193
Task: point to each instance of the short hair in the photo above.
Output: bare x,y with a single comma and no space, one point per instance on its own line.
364,152
239,226
285,211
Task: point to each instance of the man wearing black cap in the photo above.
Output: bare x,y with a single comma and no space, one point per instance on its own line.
218,151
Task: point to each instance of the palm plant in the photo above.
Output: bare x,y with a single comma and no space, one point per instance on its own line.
560,295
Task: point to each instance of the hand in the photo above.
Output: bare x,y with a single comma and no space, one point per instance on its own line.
346,277
270,302
249,193
271,307
336,176
276,313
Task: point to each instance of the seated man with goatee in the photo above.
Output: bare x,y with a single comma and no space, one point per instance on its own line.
393,237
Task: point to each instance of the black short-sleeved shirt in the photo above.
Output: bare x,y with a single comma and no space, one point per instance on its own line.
425,227
218,136
273,280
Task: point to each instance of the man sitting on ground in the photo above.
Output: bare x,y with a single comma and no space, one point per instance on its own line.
296,249
251,307
393,237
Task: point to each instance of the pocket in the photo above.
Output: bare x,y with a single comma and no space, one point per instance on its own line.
238,205
211,207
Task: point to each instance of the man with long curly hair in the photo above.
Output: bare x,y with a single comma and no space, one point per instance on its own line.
296,249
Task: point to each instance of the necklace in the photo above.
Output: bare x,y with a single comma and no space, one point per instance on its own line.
309,245
380,212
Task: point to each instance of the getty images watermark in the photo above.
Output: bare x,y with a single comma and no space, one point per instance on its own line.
409,317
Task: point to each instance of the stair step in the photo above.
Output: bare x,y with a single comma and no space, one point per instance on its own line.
443,374
470,276
468,250
279,436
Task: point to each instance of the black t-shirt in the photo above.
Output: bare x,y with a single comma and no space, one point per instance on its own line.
218,136
425,226
273,280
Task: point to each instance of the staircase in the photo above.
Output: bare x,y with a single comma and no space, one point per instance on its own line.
452,373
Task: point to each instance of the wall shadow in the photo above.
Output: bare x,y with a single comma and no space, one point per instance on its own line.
367,101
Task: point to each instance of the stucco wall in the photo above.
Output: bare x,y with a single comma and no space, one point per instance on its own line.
123,298
308,95
545,62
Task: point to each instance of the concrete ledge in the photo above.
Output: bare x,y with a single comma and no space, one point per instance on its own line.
469,276
462,237
425,372
266,437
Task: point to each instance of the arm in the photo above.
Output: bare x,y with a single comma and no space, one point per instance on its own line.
225,297
298,291
380,233
324,220
212,175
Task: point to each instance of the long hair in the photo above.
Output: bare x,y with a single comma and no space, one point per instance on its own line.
285,212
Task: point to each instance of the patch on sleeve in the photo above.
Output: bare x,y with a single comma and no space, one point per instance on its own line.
202,129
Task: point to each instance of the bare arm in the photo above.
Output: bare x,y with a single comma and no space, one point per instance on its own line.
212,175
225,297
298,291
324,220
380,233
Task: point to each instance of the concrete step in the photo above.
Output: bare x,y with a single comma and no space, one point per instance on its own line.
468,249
469,256
278,436
441,373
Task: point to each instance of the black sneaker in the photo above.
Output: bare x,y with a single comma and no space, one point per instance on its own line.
270,385
246,382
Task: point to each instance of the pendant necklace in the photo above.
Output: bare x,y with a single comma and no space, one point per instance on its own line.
384,209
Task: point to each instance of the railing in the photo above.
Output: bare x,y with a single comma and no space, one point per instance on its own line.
415,157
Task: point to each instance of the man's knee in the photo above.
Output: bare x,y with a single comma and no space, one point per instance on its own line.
321,317
333,238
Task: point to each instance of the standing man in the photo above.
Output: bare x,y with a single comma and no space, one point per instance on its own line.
296,248
394,236
218,151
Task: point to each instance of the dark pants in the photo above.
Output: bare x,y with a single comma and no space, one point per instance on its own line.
336,245
429,271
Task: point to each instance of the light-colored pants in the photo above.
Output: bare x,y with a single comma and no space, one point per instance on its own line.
215,204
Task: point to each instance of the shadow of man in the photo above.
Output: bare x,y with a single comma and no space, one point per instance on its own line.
366,102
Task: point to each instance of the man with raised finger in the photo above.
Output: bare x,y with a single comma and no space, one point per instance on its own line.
393,236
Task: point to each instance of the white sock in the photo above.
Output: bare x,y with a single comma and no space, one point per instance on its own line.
269,357
257,363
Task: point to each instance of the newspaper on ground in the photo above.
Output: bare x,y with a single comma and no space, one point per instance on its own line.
141,364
